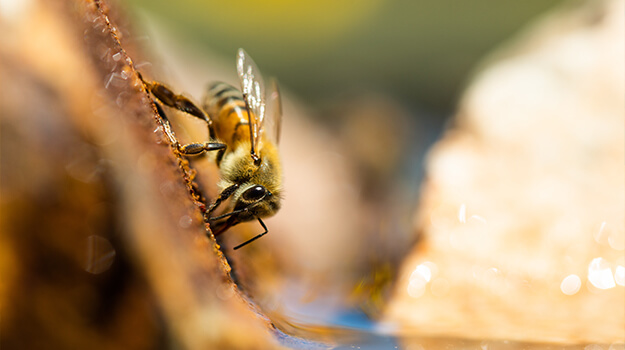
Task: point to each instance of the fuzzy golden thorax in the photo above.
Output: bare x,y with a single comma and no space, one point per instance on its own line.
259,186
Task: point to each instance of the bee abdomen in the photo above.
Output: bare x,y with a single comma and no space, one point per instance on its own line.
221,96
226,108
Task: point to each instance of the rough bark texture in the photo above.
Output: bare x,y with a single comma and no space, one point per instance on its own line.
102,241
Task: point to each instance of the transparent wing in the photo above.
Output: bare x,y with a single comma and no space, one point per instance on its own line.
273,122
253,89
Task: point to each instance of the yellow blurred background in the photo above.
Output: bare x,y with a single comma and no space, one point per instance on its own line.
420,52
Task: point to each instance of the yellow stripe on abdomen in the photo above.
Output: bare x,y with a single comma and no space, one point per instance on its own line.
226,108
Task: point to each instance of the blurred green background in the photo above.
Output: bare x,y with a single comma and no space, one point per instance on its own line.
419,52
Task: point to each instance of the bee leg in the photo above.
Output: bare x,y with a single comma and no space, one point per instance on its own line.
180,102
225,194
255,237
230,214
189,149
221,227
166,125
199,148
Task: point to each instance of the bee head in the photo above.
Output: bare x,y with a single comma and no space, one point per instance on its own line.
254,201
258,183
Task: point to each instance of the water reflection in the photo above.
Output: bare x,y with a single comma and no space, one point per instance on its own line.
619,275
297,336
99,254
462,213
600,274
570,285
420,278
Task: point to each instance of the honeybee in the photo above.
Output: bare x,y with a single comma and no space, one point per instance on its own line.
246,142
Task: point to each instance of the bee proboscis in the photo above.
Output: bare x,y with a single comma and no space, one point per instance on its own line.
244,130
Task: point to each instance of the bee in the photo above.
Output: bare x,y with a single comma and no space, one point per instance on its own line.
246,142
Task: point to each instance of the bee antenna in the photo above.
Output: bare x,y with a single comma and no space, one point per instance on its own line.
255,237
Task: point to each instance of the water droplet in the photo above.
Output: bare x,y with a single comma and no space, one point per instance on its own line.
432,266
619,275
143,64
167,188
83,166
185,221
99,254
416,287
420,277
462,213
616,240
104,51
600,274
570,284
593,347
422,271
126,72
491,277
121,99
109,80
224,291
478,219
14,10
600,235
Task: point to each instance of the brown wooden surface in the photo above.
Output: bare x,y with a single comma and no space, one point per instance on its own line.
102,243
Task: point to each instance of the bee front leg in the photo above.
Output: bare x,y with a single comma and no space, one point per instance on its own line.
225,194
180,102
221,227
199,148
191,148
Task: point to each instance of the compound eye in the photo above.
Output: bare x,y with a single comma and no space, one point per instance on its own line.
255,193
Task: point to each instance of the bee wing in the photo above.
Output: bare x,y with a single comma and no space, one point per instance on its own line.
273,123
253,88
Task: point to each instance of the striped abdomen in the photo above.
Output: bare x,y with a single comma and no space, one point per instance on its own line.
226,107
